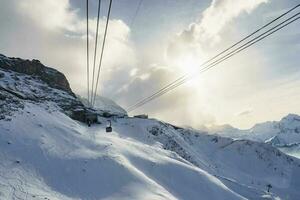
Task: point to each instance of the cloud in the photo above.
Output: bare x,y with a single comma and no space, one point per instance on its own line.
205,33
176,106
185,49
244,112
188,49
53,15
53,32
152,78
222,12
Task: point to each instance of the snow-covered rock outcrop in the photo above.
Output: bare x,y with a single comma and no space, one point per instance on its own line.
23,81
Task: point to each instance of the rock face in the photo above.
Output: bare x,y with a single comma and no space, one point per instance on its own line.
50,76
23,81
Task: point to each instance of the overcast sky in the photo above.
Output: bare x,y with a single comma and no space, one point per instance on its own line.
167,38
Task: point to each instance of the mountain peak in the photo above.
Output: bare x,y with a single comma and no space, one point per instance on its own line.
291,117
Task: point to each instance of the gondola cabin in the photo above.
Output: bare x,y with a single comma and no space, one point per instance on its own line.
109,128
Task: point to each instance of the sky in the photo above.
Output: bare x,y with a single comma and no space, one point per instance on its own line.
164,40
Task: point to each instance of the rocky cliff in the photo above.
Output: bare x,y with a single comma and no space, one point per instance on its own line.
30,81
52,77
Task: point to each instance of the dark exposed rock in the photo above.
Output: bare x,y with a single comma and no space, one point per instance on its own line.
85,115
19,95
8,104
51,76
155,130
143,116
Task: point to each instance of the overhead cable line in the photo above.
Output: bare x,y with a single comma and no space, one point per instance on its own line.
102,50
136,13
211,59
222,59
210,66
87,50
96,45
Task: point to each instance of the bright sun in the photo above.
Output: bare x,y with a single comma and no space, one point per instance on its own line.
188,63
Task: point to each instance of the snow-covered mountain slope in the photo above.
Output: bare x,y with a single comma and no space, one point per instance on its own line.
45,154
284,134
49,155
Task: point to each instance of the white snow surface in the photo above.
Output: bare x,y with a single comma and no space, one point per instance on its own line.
46,155
63,159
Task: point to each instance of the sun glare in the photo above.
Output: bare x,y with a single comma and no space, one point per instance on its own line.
187,63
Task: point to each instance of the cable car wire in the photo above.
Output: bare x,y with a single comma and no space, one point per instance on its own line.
87,50
227,56
102,50
96,44
242,40
136,13
208,67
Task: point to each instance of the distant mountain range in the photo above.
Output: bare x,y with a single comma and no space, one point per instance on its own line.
283,134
